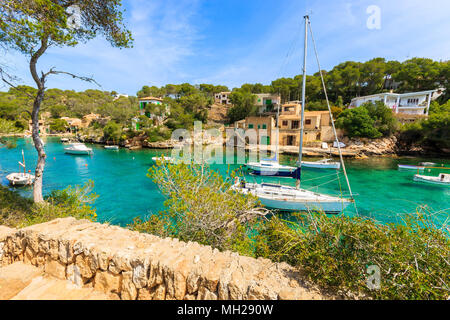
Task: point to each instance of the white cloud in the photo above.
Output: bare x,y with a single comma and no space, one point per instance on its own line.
164,36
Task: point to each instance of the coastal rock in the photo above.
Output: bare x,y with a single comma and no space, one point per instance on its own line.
108,282
129,291
55,269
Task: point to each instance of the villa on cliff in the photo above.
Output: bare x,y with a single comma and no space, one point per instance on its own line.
406,106
222,98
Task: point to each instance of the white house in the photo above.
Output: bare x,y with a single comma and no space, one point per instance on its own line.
413,103
222,98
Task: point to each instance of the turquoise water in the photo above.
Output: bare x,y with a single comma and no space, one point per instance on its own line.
382,191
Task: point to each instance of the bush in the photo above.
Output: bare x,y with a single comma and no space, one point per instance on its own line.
358,123
7,127
58,125
18,212
112,132
157,134
201,207
371,120
335,252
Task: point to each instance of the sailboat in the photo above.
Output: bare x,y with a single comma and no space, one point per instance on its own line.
288,198
21,178
322,164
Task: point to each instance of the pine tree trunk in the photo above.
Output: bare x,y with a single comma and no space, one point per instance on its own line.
37,190
38,144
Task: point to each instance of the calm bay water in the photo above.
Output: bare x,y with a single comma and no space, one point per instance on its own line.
126,192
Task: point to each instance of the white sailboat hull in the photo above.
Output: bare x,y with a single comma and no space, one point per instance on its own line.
77,152
321,165
286,198
270,169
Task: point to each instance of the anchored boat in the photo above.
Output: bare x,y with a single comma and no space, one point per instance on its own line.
410,167
270,168
78,149
443,179
287,198
112,147
322,164
21,179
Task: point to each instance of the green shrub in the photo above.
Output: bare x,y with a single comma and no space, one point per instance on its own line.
58,125
335,252
370,120
358,123
18,212
7,127
201,207
112,132
156,134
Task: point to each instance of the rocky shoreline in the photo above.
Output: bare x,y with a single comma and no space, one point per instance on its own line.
358,148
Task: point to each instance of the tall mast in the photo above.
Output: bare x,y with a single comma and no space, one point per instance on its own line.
277,124
300,155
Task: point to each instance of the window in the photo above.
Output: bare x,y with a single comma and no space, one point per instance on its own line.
259,127
308,121
295,124
250,126
264,126
285,123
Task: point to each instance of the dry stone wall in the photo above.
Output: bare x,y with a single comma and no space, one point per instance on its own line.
130,265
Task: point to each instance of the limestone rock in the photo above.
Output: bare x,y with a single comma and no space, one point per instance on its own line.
129,291
108,282
55,269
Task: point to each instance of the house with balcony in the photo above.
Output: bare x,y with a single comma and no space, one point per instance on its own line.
267,103
409,104
317,126
222,98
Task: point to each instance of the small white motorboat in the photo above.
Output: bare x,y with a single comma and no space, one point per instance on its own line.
410,167
443,179
78,149
20,179
287,198
164,159
112,147
322,164
270,168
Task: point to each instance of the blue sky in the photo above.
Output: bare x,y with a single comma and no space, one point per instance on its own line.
233,42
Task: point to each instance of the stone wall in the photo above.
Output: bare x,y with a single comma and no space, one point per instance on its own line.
131,265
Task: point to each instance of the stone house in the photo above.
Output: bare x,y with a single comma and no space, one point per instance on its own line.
222,98
318,127
44,128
